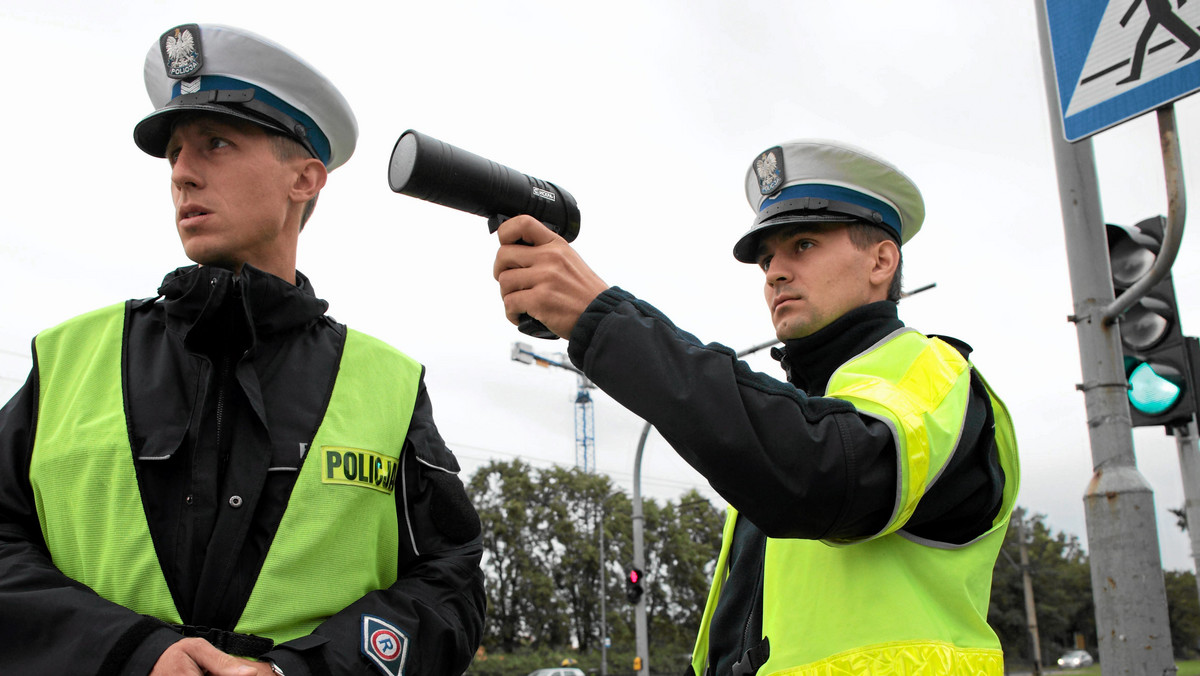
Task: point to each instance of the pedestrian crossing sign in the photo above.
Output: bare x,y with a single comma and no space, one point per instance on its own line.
1117,59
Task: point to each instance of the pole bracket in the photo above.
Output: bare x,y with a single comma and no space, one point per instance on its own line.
1084,387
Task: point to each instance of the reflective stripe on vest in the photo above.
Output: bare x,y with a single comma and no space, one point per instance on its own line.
89,505
892,604
920,387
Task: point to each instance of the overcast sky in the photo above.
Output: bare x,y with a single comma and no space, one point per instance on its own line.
649,113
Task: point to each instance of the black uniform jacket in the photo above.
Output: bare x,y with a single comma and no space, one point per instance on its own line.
793,464
216,369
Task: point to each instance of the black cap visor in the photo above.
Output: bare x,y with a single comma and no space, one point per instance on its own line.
154,131
803,210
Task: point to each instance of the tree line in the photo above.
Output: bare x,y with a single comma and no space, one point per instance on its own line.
1062,592
543,529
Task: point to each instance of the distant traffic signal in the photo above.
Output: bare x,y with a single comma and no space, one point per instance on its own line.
633,585
1157,365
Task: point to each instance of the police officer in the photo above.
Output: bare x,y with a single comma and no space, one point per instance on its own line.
869,494
222,479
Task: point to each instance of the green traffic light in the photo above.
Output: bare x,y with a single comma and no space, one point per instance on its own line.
1150,392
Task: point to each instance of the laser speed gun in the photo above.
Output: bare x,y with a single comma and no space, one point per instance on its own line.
426,168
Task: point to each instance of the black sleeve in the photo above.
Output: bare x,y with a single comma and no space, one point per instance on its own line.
794,465
438,598
50,623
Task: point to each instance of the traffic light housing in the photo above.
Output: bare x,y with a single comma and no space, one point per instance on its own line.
633,585
1158,367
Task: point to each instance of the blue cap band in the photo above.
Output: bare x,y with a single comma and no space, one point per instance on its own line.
838,193
318,139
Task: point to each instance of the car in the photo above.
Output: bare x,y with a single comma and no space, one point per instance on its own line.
557,671
1075,659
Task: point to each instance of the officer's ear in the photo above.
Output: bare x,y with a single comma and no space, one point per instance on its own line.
311,175
886,260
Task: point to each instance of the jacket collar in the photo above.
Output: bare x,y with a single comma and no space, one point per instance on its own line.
196,297
811,360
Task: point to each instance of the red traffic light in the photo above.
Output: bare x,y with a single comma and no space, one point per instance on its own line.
633,585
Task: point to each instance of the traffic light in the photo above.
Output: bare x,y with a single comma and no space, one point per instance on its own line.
637,663
1158,367
633,585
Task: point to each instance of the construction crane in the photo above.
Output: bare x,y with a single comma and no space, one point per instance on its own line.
585,423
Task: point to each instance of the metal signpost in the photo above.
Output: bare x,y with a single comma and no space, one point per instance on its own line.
1104,63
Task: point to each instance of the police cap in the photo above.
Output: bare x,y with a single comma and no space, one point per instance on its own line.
812,180
231,71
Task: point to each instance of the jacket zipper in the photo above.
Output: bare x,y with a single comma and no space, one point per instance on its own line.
222,380
222,387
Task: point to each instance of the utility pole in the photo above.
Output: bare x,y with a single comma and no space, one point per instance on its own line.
1027,580
1189,470
1126,567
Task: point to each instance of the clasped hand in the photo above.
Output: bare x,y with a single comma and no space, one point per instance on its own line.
197,657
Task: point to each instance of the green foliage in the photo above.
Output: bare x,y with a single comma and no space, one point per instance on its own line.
1183,611
542,564
1062,592
521,595
683,540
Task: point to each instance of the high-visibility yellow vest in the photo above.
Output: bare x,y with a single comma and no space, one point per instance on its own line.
85,486
894,603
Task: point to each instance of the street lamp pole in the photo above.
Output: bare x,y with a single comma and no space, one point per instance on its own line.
639,556
603,594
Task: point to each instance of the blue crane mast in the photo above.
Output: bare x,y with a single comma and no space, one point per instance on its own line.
585,421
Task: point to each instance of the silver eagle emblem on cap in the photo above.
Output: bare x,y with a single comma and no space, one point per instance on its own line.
181,51
768,171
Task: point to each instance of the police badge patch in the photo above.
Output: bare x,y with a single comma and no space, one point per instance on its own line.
181,51
769,170
384,645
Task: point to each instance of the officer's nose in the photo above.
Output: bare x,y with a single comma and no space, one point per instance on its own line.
776,272
184,169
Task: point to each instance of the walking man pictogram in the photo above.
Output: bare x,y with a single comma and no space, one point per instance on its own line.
1161,14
